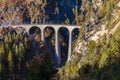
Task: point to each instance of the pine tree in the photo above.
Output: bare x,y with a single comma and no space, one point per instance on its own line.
16,50
21,49
6,39
26,42
1,55
67,21
9,37
10,59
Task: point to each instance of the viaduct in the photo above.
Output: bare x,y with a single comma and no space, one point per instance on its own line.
56,28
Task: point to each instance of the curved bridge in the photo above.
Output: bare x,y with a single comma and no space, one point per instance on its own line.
56,29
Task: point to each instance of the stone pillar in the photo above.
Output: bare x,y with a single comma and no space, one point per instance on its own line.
27,29
42,33
57,46
70,45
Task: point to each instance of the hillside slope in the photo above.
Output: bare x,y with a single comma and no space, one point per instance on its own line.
97,52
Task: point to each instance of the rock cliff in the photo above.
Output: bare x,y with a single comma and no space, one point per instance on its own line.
93,53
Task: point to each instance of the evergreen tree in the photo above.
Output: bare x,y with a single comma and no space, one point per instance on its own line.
10,60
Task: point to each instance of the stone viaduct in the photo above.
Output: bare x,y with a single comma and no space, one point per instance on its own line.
56,28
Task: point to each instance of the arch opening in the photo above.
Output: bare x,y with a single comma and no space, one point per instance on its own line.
20,30
34,29
64,44
10,28
75,35
49,35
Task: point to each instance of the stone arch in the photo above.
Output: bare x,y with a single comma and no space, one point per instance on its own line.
64,31
57,30
64,43
33,29
49,33
10,28
71,40
20,29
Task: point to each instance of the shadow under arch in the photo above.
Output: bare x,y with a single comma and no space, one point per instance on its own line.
49,35
33,29
64,43
10,28
75,33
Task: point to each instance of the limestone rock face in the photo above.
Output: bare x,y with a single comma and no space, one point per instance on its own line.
118,4
91,8
97,3
14,12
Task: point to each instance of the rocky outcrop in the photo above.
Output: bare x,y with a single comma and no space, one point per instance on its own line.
118,4
15,12
92,32
36,11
